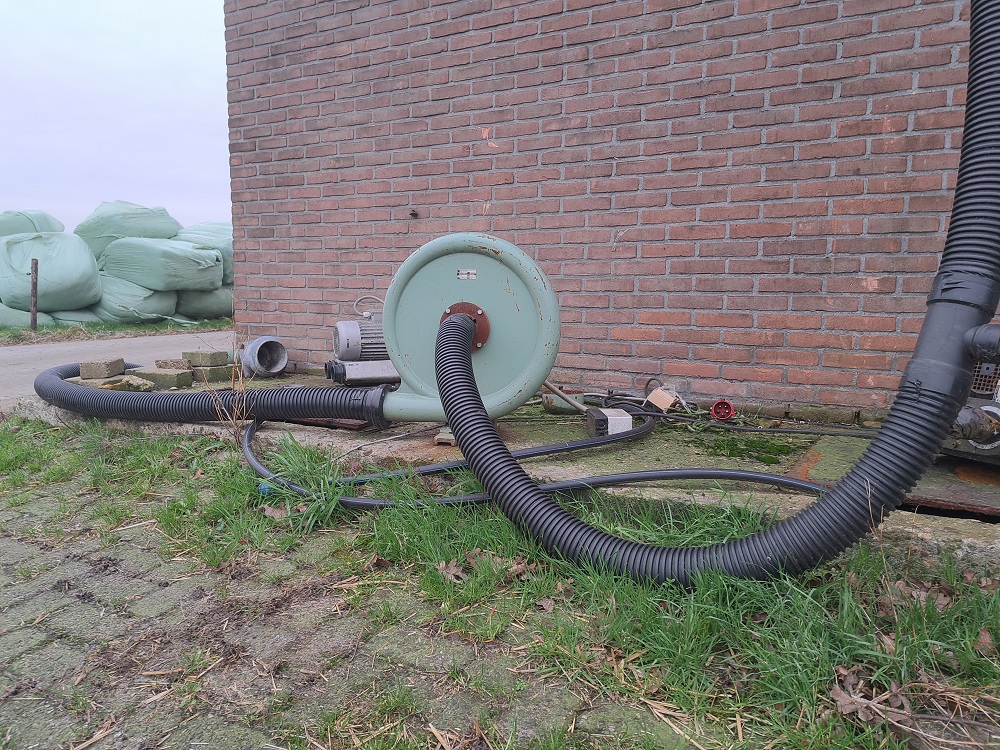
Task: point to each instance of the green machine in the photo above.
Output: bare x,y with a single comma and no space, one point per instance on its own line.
503,290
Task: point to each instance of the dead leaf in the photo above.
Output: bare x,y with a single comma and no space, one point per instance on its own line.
377,563
984,643
451,571
199,473
888,642
275,512
484,556
565,589
846,703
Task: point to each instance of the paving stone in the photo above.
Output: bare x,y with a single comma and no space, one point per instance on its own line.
116,590
161,601
87,623
128,383
202,732
104,369
610,720
405,646
50,579
15,643
50,664
34,723
164,378
17,553
206,359
31,607
538,711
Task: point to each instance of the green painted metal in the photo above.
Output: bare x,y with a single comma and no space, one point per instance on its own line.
513,293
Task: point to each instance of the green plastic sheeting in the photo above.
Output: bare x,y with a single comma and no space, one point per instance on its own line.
164,265
75,316
28,220
125,302
67,272
20,319
205,305
112,221
214,235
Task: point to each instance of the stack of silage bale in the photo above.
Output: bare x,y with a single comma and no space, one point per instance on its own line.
67,271
124,263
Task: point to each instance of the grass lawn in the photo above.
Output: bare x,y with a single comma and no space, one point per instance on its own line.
878,649
92,331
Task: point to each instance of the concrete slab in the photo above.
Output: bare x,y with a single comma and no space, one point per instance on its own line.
951,483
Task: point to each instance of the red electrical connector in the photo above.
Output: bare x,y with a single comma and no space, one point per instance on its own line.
722,409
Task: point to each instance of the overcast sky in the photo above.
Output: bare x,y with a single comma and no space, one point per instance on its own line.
114,100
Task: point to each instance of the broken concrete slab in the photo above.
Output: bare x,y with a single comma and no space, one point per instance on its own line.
206,359
164,378
102,369
220,374
173,364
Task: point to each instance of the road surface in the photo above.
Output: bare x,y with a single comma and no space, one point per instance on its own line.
20,364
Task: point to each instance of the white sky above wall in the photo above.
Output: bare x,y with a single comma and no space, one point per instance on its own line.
108,100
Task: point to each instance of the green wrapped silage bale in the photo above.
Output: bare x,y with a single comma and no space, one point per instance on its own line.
117,219
28,220
216,235
75,316
125,302
12,318
67,272
163,265
217,303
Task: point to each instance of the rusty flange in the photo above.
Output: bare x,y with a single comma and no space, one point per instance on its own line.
477,314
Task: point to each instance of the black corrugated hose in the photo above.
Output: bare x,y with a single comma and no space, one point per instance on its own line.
211,406
933,388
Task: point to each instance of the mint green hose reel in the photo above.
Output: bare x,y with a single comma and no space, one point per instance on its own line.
495,283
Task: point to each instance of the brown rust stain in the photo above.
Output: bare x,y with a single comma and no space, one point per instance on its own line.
805,464
977,474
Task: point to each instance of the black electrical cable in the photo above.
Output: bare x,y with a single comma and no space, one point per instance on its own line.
614,480
835,430
246,443
845,432
362,503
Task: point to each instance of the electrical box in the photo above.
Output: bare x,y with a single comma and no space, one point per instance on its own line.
608,421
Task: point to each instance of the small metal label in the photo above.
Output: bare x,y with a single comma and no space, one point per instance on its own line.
465,274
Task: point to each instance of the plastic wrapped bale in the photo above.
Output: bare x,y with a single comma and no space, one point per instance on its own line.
205,305
67,272
75,316
163,265
29,220
125,302
112,221
215,235
11,318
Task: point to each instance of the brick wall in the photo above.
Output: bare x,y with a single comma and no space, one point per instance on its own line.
745,199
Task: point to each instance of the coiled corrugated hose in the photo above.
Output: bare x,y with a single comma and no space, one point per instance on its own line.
933,388
211,406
